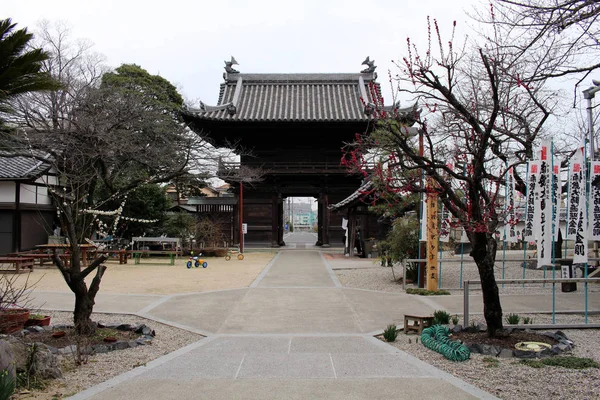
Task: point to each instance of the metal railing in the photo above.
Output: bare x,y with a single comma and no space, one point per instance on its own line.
585,311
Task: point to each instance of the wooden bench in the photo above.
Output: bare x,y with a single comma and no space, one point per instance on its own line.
418,323
44,257
19,264
120,254
137,254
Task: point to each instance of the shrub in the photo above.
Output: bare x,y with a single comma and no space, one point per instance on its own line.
455,319
402,242
513,319
569,362
527,320
425,292
441,317
390,333
7,384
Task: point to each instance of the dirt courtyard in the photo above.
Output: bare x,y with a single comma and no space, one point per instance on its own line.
156,276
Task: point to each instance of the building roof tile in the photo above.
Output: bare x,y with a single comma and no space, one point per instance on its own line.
292,97
21,168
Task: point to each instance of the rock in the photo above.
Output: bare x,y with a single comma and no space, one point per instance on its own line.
144,340
525,354
121,345
457,328
20,351
505,353
7,358
133,343
564,347
144,330
547,353
44,364
125,327
101,348
475,348
68,350
34,328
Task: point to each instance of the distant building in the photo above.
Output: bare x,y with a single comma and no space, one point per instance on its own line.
27,213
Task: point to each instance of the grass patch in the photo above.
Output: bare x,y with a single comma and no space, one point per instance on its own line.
491,362
568,362
425,292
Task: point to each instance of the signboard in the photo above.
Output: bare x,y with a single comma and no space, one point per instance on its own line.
244,228
432,240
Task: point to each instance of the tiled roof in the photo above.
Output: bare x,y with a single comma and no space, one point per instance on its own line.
21,168
364,188
291,97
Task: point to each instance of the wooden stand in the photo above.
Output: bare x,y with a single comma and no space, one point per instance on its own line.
419,323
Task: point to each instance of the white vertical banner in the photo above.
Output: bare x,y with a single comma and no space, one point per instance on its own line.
544,240
510,218
423,231
594,208
445,218
556,202
576,209
530,206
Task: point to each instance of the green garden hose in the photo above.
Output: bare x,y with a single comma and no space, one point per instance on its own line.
437,338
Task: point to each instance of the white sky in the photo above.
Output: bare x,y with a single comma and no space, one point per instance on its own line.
187,42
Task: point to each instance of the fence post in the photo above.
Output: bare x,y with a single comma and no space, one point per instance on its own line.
466,304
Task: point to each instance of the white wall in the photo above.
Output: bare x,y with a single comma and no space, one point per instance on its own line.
7,192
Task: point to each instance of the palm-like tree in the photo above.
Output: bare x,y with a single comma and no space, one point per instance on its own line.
20,68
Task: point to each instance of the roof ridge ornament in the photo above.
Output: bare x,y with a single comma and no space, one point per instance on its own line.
228,66
370,66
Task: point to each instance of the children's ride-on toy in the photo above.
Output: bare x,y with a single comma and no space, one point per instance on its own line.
230,251
196,261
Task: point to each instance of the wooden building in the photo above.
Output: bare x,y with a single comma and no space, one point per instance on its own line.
295,125
27,213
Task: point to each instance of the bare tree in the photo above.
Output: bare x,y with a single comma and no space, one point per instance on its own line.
71,62
557,38
475,113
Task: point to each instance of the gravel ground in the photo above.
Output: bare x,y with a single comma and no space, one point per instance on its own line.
101,367
504,378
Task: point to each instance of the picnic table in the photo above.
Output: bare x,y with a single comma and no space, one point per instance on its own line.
137,254
53,248
19,264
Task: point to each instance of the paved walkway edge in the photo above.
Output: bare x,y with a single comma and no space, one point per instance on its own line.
99,388
438,373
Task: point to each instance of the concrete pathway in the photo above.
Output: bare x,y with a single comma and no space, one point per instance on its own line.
295,333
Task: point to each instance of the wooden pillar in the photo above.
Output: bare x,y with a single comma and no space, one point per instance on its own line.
325,234
280,220
319,222
274,220
235,225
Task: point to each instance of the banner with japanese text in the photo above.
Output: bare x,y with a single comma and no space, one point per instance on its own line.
544,190
510,217
594,207
556,203
530,204
445,216
577,229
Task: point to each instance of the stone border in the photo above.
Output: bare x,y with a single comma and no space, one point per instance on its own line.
146,337
564,344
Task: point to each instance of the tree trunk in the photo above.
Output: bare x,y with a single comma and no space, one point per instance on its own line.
484,255
84,306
